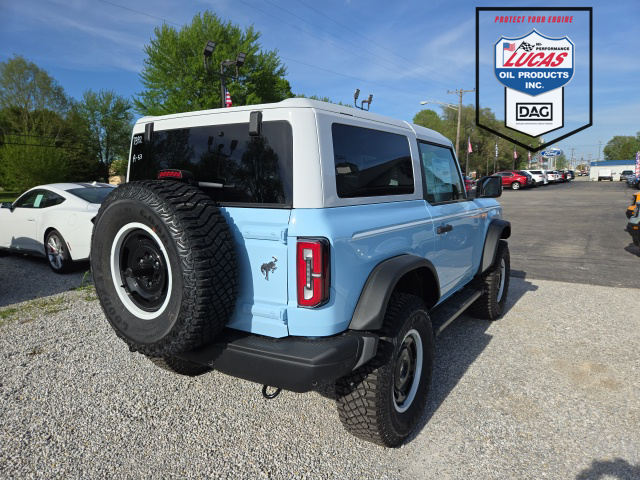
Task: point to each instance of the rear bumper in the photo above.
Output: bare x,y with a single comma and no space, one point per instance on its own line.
299,364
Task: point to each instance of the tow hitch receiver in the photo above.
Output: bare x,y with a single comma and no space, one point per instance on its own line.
270,396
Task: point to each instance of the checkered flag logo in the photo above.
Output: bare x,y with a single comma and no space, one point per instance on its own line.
527,47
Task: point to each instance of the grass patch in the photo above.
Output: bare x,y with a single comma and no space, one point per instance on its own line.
29,311
49,305
86,288
8,314
8,196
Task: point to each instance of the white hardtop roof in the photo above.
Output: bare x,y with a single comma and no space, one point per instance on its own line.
315,104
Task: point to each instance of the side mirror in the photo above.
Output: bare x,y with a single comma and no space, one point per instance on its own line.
489,187
6,205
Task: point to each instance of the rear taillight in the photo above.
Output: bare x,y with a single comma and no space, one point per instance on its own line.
169,174
176,174
312,259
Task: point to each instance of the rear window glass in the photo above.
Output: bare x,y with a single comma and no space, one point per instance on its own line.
91,194
252,170
371,163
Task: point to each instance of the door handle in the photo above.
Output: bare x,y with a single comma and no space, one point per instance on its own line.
444,229
31,219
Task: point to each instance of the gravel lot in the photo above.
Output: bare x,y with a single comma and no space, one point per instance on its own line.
552,390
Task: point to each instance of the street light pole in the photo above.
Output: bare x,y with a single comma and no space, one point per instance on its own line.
460,93
238,62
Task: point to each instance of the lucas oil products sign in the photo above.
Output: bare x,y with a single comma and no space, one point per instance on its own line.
535,58
534,68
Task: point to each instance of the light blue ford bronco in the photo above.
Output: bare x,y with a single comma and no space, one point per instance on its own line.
300,244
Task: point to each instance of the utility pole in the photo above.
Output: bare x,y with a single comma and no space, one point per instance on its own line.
460,93
572,149
495,159
599,147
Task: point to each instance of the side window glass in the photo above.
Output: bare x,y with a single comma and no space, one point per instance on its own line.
51,200
441,176
31,200
40,201
371,163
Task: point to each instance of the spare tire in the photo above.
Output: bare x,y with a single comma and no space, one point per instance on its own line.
164,266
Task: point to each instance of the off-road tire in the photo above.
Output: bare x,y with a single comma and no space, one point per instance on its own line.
488,306
198,257
179,366
58,258
365,398
515,186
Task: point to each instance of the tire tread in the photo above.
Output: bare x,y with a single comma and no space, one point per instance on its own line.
207,255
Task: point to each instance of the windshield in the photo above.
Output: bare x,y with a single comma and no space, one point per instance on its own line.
92,194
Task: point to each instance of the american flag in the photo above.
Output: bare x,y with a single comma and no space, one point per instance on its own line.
509,46
227,98
638,163
515,155
470,149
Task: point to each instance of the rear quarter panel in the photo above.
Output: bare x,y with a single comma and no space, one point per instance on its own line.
361,237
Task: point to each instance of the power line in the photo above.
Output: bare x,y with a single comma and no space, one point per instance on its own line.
396,89
313,35
41,146
285,58
26,135
372,41
343,40
141,13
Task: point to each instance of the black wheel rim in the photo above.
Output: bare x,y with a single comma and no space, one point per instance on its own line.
143,271
405,370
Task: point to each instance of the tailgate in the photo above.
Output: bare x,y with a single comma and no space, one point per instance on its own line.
260,235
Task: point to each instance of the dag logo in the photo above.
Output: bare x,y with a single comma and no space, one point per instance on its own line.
534,64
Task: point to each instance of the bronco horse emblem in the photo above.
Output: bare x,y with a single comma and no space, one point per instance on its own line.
269,267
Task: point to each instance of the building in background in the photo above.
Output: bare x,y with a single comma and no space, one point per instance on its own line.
616,166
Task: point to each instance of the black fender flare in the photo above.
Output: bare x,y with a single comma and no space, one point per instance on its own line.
497,230
372,304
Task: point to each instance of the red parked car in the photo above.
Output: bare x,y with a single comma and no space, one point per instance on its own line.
468,184
513,180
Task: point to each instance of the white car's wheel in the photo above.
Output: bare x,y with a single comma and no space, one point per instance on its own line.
57,252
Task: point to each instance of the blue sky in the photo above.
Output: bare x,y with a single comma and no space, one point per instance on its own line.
401,52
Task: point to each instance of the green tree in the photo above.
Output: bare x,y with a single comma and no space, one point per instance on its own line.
31,94
560,162
622,147
107,118
175,78
35,140
483,158
429,119
322,99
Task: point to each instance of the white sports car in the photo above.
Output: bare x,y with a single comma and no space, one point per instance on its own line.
53,221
